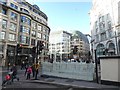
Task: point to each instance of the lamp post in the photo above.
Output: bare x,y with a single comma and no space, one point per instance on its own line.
96,62
96,66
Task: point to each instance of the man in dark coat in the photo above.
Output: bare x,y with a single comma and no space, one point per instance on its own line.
14,70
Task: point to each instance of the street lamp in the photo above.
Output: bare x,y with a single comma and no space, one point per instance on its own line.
96,62
96,66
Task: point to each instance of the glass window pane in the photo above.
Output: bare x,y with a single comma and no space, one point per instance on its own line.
13,16
24,39
4,24
25,30
33,33
13,26
25,20
12,37
4,11
2,35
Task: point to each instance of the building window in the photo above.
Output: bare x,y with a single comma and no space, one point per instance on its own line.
47,38
4,11
96,24
100,19
96,30
109,33
4,24
102,26
44,37
97,38
24,39
30,8
34,25
39,27
109,25
12,37
24,10
103,36
25,20
23,3
47,31
25,30
44,29
35,11
3,2
13,6
13,26
2,35
2,48
13,16
99,49
32,41
33,33
39,35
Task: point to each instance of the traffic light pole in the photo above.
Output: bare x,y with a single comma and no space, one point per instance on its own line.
16,56
37,55
96,66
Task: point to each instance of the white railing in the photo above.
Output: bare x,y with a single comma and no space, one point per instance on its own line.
74,70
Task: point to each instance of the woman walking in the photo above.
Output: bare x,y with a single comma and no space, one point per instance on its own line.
29,71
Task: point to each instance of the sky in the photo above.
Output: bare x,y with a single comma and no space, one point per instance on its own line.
68,16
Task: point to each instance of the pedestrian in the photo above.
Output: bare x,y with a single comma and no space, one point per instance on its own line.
22,65
7,79
36,69
29,71
14,70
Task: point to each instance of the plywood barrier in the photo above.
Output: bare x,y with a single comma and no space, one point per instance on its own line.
74,70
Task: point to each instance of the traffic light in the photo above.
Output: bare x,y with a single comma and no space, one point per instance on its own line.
19,48
41,46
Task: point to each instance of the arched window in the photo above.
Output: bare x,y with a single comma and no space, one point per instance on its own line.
111,49
100,49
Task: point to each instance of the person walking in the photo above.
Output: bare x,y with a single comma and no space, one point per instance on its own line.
36,69
22,65
14,70
7,79
29,71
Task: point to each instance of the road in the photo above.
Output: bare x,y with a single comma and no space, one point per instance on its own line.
40,84
23,83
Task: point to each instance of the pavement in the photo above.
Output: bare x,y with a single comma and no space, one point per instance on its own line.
73,83
66,82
